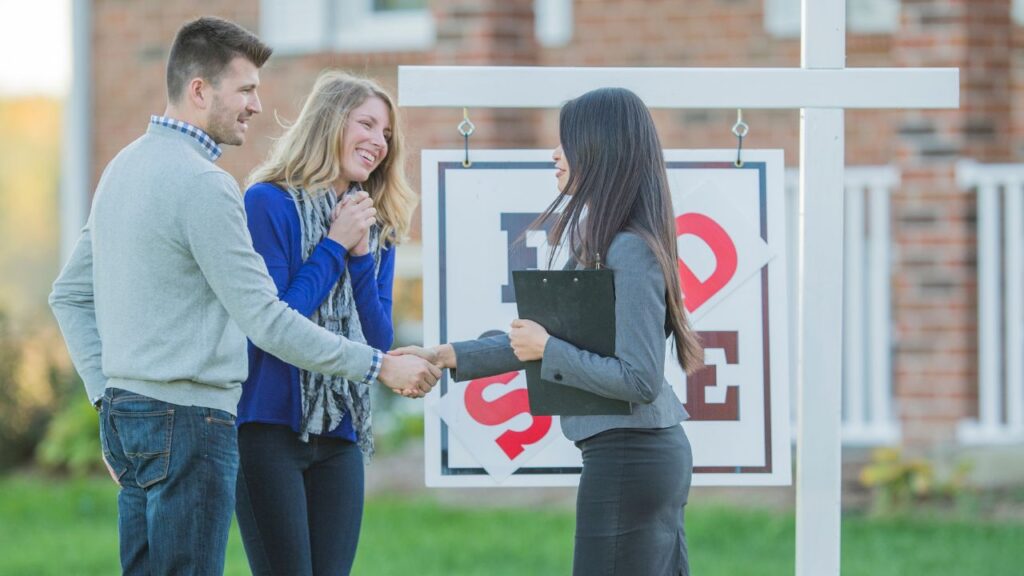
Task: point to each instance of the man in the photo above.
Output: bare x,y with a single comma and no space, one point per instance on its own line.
159,296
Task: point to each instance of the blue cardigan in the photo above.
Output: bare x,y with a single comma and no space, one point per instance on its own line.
271,394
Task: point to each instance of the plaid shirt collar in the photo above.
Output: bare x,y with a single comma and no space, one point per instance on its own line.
212,150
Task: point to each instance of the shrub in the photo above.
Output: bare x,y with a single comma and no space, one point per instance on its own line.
72,441
21,425
36,382
897,483
894,482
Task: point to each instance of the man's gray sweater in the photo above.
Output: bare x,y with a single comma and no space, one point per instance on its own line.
164,286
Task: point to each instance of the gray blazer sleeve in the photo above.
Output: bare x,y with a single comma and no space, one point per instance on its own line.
636,372
484,357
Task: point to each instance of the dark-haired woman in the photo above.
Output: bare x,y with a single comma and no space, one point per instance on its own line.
614,208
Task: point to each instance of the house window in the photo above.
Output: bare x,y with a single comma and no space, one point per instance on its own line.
553,22
306,26
782,17
383,5
1017,11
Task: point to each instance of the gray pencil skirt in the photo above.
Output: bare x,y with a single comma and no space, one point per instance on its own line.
630,504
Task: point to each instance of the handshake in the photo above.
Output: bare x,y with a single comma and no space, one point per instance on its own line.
412,371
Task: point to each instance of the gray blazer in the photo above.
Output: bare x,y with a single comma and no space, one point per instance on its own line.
637,371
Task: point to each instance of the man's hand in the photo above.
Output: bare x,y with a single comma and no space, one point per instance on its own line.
408,375
442,356
109,469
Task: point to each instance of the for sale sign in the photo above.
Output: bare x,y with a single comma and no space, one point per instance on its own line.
731,237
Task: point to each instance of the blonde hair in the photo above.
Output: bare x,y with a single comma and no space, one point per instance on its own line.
308,154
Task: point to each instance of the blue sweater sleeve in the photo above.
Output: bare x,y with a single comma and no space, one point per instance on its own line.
274,226
373,296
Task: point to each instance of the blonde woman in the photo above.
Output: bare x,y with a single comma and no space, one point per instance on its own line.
326,211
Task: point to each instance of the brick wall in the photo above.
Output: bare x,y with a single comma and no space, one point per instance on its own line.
934,262
132,39
130,45
935,286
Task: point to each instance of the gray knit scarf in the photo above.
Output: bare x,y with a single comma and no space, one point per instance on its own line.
326,398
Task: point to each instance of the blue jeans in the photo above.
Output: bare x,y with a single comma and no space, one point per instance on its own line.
177,467
300,504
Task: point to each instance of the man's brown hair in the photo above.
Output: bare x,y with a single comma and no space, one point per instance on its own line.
204,47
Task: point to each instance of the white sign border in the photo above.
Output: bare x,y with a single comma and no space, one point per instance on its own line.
777,471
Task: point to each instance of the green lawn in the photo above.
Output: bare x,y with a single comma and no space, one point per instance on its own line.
49,527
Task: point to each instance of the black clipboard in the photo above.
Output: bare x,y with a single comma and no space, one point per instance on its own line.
577,306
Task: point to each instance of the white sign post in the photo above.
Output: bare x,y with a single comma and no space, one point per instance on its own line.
822,88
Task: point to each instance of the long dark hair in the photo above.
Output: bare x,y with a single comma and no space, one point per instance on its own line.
617,182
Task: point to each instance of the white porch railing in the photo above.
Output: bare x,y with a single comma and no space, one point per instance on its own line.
1000,229
868,415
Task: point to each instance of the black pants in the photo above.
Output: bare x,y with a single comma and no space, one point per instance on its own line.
630,504
299,505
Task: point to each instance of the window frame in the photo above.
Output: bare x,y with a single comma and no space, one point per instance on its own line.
862,17
350,26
